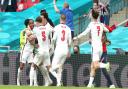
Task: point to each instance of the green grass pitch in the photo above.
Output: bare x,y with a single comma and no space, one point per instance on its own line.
49,87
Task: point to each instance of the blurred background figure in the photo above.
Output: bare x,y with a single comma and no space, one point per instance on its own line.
8,5
68,13
47,17
24,4
76,49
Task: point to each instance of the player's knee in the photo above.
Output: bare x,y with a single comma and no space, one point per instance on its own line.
96,65
21,67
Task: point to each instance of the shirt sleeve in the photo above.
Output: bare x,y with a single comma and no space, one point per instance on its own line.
55,35
105,29
85,32
34,30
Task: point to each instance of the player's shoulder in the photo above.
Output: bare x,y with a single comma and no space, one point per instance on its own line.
49,26
90,24
57,27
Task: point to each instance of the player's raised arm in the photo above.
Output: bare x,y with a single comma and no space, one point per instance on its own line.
55,7
84,33
105,29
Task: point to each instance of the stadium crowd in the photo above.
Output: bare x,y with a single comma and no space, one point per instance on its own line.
16,5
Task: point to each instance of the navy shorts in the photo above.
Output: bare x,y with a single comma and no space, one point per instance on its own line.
104,58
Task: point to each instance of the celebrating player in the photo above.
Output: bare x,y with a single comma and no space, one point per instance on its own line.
27,50
42,58
62,40
96,29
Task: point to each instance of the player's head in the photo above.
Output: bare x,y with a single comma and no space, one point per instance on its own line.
95,14
66,5
42,12
62,18
38,21
95,5
44,18
26,22
29,22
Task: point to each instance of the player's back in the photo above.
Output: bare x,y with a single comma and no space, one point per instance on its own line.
42,34
96,33
62,35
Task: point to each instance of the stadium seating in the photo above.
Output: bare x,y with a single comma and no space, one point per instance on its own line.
12,23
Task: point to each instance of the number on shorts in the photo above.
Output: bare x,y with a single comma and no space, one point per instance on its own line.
63,35
43,36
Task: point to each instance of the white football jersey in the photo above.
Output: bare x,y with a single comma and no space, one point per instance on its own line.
43,34
96,29
62,35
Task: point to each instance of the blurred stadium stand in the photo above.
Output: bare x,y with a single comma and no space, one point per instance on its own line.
25,4
12,23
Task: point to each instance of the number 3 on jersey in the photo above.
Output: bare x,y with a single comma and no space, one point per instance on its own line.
63,35
43,36
98,27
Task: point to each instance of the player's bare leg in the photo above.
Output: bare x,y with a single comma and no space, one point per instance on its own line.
94,66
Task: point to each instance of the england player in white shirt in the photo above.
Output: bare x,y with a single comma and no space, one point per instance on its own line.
96,29
42,58
62,40
27,50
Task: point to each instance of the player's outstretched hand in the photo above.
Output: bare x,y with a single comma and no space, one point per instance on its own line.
75,38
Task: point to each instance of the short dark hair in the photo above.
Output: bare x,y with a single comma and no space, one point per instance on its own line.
95,14
39,19
26,22
45,15
43,11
